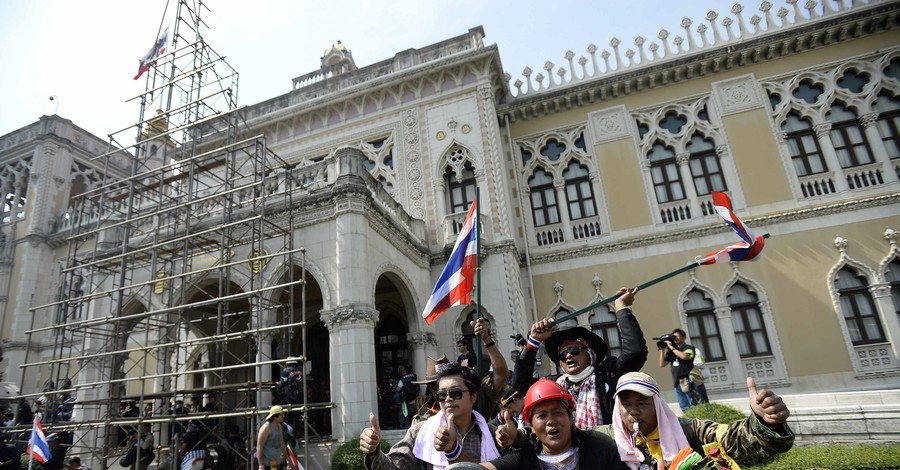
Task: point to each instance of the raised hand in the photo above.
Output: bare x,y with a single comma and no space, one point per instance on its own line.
767,405
445,436
542,330
626,297
480,330
370,439
505,434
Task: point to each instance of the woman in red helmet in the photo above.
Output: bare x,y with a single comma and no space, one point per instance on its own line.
555,442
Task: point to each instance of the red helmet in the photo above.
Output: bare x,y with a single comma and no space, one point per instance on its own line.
544,390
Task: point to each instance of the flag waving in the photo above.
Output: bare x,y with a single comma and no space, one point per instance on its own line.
748,250
37,443
158,49
454,287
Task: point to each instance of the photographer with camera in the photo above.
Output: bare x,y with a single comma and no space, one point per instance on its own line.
675,351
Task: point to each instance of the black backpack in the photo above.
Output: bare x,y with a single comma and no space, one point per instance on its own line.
410,390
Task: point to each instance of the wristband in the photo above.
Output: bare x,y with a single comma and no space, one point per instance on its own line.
489,344
532,343
455,453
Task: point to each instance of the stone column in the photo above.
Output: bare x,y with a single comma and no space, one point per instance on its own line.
421,346
726,333
884,303
562,205
351,329
869,121
823,133
683,160
264,372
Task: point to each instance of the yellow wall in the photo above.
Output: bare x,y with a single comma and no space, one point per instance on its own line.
620,159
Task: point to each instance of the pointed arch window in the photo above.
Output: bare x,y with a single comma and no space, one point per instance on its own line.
461,188
570,323
858,308
893,278
705,167
803,145
579,194
664,172
848,137
702,326
543,198
603,324
747,320
888,108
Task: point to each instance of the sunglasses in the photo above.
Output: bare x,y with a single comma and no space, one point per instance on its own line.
454,393
570,351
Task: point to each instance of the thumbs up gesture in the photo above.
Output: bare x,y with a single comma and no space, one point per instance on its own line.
370,439
768,406
445,436
506,432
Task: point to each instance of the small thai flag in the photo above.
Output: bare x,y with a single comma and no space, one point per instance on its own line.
37,443
158,49
748,250
454,287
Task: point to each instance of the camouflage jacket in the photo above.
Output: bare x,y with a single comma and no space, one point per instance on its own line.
744,441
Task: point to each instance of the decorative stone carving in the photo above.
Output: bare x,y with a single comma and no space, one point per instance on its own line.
349,315
411,138
609,124
738,94
891,236
421,338
841,243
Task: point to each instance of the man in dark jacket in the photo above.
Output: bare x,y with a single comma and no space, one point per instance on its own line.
9,455
589,375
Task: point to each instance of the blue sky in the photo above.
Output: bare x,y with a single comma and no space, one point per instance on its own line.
86,52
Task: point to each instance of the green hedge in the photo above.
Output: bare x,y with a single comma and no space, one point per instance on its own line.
715,412
348,457
834,457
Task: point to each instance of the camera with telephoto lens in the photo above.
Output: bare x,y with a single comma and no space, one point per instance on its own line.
661,341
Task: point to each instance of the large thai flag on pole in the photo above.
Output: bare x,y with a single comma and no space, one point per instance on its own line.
37,443
747,250
158,49
454,287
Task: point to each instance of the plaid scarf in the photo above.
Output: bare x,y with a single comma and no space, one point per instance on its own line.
587,401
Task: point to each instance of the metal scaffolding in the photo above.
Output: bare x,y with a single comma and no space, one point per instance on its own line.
167,295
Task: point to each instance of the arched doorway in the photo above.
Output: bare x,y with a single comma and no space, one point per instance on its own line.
392,350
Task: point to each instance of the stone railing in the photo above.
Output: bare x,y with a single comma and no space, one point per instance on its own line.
452,224
716,34
585,228
675,211
818,184
548,235
864,176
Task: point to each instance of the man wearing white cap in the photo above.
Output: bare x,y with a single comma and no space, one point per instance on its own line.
647,431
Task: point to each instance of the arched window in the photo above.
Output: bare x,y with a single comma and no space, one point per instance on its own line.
803,145
892,276
705,166
848,137
570,323
579,194
603,324
543,198
702,327
746,317
858,308
461,189
888,108
664,171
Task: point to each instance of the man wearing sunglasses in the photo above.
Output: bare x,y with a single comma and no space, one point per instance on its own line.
457,433
588,374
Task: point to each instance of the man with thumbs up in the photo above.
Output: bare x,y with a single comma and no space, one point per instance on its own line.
455,434
647,431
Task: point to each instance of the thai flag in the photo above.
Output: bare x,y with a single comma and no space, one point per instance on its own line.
294,461
37,443
455,284
158,49
748,250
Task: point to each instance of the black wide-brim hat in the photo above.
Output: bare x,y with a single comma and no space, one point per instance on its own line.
558,338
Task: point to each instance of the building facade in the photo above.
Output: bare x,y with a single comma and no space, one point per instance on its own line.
595,176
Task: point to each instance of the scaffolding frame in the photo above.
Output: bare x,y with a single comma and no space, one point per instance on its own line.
165,293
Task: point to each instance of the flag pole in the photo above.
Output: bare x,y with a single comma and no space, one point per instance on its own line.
30,445
688,267
477,228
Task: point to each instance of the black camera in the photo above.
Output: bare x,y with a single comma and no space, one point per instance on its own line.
661,341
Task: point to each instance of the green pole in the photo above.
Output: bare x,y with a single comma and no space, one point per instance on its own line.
691,265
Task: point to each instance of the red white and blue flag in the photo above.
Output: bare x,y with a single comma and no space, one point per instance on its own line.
747,250
454,287
158,49
294,461
37,443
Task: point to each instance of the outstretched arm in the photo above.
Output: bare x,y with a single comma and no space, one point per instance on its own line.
501,370
634,346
